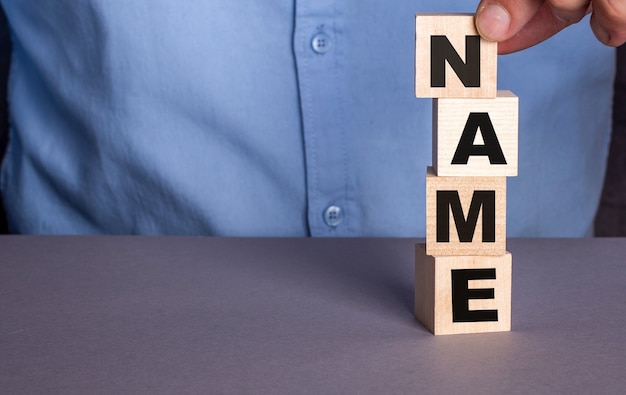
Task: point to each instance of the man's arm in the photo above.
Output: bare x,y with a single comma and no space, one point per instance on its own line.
519,24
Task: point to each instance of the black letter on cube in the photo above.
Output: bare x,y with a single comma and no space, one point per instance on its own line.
491,147
441,50
461,295
447,200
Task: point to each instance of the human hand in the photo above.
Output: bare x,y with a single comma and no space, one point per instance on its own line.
519,24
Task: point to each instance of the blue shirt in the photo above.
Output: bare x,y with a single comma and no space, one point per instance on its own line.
254,117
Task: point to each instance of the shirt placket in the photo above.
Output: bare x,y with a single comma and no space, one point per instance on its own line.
319,54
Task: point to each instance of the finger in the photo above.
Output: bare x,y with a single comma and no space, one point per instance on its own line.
499,20
542,26
569,11
608,21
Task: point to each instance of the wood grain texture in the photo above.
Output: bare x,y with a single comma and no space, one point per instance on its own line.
433,292
465,186
456,27
450,117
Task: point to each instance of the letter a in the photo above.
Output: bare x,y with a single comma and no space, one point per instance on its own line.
491,146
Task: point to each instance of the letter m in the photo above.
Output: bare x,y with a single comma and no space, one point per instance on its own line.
449,201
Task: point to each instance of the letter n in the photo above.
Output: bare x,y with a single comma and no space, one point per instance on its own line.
442,51
452,60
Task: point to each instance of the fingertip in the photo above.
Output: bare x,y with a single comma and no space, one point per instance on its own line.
601,34
611,34
493,22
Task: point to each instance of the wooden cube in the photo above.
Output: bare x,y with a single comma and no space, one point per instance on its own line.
451,59
465,215
463,294
476,137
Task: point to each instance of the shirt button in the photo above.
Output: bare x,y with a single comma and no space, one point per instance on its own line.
320,43
333,216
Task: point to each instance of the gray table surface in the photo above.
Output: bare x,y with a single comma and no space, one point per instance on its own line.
83,315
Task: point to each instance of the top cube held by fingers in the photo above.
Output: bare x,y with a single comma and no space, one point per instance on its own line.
451,59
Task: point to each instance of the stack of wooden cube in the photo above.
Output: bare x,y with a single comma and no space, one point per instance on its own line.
463,273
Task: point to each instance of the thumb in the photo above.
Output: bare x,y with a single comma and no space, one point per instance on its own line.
517,25
499,20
